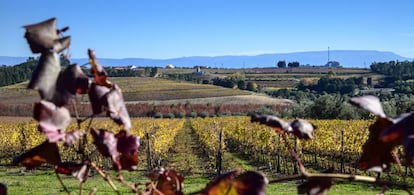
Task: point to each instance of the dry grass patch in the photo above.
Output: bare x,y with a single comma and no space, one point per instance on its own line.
134,89
239,99
152,89
14,119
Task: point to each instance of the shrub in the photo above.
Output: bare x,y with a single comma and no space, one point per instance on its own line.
237,114
170,115
262,110
204,114
158,115
193,114
181,115
251,86
223,114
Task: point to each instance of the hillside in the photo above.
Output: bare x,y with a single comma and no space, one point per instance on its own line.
347,58
153,90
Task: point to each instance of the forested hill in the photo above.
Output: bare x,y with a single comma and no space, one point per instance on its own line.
18,73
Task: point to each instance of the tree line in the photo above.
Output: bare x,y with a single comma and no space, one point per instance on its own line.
295,64
10,75
396,69
336,106
333,85
282,64
232,83
399,75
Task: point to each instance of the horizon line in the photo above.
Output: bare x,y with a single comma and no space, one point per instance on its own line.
240,54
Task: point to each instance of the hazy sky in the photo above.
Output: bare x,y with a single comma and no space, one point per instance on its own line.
177,28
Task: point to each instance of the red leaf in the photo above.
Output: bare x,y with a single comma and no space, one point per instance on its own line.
127,161
128,145
98,72
116,107
51,117
43,36
106,143
122,148
112,101
370,103
45,75
97,98
402,132
396,132
247,183
44,153
79,171
71,81
168,182
251,183
3,189
376,154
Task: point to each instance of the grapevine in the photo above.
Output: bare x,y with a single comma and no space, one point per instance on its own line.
77,149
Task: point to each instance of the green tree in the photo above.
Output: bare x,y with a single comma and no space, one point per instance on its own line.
251,86
331,74
281,64
241,84
154,72
293,64
237,76
326,107
333,64
369,81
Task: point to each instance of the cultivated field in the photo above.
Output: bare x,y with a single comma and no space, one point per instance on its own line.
134,89
157,89
149,89
190,146
281,77
142,93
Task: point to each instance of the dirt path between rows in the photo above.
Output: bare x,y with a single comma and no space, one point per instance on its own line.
186,156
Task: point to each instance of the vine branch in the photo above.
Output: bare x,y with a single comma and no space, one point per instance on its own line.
63,185
106,177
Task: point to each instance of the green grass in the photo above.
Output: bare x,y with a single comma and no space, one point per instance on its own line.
44,182
21,85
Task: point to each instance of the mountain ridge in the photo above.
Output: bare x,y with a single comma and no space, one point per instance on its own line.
347,58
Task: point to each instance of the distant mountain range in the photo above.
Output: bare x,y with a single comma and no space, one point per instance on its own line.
346,58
